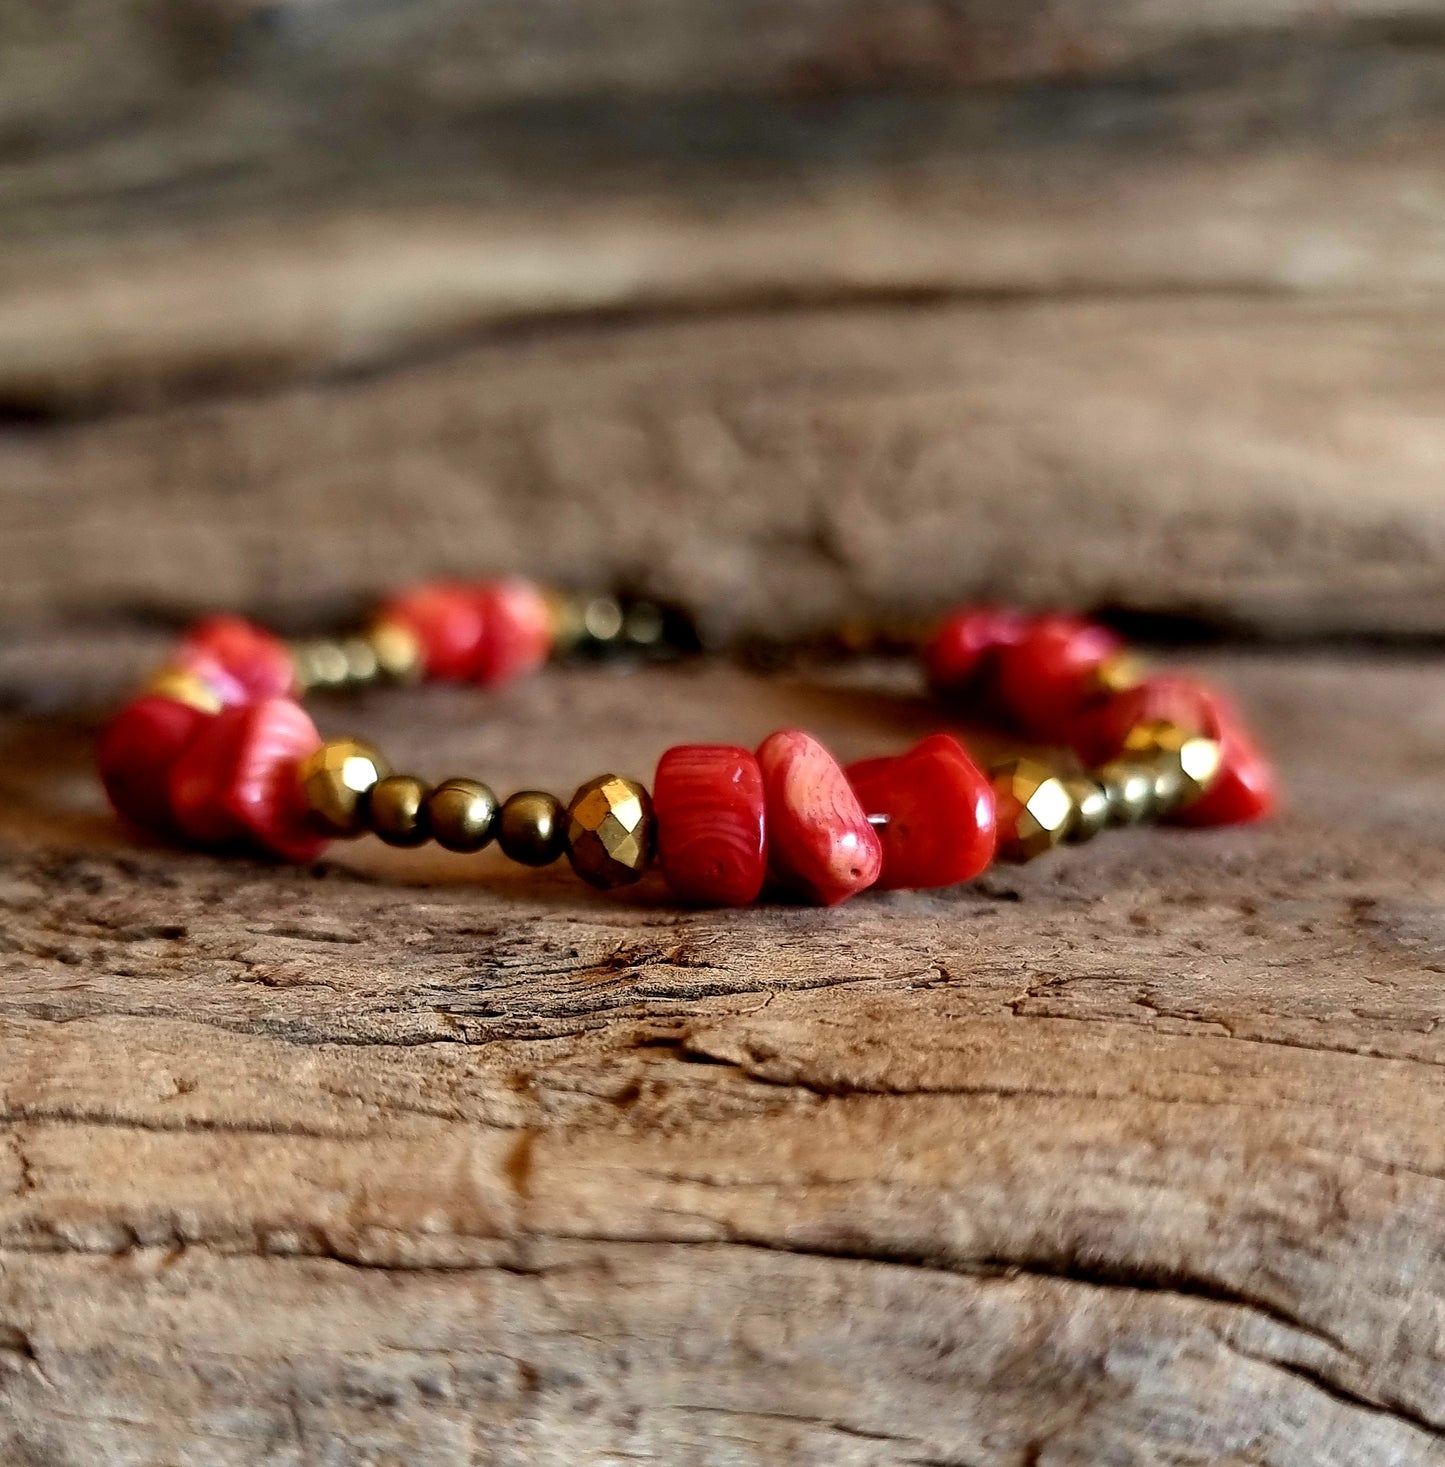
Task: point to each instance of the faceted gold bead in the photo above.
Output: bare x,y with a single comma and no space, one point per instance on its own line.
1091,809
462,814
1034,808
396,809
1129,786
532,828
181,685
397,651
611,831
335,780
1189,761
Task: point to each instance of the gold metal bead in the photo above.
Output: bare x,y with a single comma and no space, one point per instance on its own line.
564,613
321,663
1118,674
1129,786
396,809
462,814
361,662
396,649
1192,759
532,828
1090,814
611,831
335,780
181,685
1034,808
602,619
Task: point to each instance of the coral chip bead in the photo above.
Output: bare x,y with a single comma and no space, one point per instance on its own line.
712,833
941,809
1044,677
237,782
1098,733
240,660
137,752
1244,789
449,622
819,840
962,649
516,631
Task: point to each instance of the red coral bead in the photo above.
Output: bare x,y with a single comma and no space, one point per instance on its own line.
516,631
961,651
1043,678
448,622
942,813
1097,733
137,752
1245,788
238,659
819,840
236,784
712,833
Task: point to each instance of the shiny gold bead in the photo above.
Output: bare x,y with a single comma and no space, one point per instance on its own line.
564,614
361,664
181,685
1091,809
1129,786
611,831
462,814
1119,673
396,809
335,780
1034,808
602,619
321,663
397,651
532,828
1191,760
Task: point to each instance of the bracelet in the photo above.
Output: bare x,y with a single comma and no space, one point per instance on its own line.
217,752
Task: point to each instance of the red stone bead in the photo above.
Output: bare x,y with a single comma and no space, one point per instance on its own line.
961,652
712,838
1043,678
448,621
516,631
941,809
137,752
236,784
1097,733
238,659
819,840
1244,790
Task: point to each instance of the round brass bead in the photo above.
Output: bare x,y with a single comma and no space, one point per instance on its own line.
396,809
321,663
361,662
397,651
1034,808
181,685
1193,759
1129,787
1090,814
532,828
462,814
611,831
335,780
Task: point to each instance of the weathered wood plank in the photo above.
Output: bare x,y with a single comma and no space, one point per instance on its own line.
1134,1155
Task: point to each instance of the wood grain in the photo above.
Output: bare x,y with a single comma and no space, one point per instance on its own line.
1132,1155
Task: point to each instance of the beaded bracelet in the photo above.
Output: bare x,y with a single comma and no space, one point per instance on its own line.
217,752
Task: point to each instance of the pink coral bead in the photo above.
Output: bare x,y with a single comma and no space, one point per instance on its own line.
516,631
712,840
236,783
942,813
238,660
137,752
819,839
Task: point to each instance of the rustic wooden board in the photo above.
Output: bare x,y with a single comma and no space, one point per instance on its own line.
1135,1155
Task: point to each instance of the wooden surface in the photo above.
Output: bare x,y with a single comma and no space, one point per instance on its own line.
1136,1155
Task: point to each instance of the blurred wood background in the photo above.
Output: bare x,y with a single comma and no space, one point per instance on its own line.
791,310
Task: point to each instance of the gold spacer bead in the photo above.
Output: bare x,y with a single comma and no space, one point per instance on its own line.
564,616
362,665
396,809
181,685
1118,674
1129,787
1192,758
531,828
1090,814
1034,808
602,619
320,663
335,781
611,831
397,651
462,814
